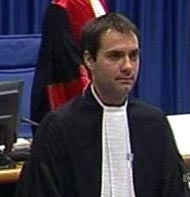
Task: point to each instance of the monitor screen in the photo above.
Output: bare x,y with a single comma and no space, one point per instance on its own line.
10,111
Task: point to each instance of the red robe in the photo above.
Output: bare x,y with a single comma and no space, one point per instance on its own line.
60,75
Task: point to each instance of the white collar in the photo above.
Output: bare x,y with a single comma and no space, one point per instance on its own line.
108,108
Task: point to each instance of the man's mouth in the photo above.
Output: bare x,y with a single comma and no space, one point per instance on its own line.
125,79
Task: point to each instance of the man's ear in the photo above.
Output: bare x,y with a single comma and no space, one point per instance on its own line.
88,60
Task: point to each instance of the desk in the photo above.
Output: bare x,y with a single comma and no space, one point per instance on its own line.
187,160
10,175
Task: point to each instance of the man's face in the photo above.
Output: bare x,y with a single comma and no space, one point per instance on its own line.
115,69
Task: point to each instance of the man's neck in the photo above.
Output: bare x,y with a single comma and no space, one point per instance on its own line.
108,102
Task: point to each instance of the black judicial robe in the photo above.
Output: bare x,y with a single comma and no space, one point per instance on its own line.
66,156
59,73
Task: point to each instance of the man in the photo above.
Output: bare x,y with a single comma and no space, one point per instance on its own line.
105,143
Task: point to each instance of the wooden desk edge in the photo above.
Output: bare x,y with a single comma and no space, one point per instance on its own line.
186,159
10,175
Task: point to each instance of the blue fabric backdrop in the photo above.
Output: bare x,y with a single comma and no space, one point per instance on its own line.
165,31
165,34
21,16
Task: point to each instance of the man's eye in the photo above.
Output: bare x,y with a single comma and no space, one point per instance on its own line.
134,55
115,56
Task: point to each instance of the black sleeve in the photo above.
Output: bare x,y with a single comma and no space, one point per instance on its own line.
172,184
42,175
59,56
58,60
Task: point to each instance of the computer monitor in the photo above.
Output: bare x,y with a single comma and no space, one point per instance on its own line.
10,111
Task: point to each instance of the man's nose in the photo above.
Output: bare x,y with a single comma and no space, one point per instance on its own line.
126,65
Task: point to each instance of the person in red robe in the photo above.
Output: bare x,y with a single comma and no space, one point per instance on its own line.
60,75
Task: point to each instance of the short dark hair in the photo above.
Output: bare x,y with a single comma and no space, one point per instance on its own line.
92,32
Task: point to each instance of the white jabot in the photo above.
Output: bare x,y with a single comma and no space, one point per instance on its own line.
97,7
117,174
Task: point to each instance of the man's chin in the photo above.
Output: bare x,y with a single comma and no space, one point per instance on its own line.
125,89
122,92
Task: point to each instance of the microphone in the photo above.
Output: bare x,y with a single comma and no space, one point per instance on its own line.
31,122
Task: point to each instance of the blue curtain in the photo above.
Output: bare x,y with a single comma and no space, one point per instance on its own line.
165,63
21,16
165,35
